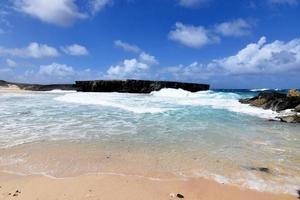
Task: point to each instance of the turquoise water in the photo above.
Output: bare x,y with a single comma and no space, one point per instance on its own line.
206,134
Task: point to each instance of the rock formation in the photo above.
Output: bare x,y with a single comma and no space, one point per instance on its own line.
128,86
290,119
277,102
135,86
293,93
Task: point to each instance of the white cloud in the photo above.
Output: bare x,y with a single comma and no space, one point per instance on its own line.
194,71
192,36
57,70
148,59
75,50
192,3
33,50
263,57
282,2
129,68
59,12
256,58
11,63
98,5
236,28
132,68
127,47
46,74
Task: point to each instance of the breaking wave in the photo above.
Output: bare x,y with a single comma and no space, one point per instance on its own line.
166,100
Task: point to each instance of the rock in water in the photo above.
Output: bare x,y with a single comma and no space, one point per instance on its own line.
273,100
297,109
135,86
293,93
277,102
290,119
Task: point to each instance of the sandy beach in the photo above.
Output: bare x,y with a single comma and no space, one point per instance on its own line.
11,89
116,167
117,187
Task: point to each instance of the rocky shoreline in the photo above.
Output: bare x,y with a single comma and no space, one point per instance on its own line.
278,102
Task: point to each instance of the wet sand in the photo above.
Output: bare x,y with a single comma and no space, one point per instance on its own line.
117,187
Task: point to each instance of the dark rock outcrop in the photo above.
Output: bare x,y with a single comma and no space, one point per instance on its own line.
39,87
297,108
273,100
278,102
260,169
135,86
290,119
3,83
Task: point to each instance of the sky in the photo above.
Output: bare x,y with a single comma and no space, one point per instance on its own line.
227,44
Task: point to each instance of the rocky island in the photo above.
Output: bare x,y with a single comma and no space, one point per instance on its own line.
278,102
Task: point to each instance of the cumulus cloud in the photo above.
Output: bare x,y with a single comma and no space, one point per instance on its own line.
192,36
127,47
192,3
75,50
129,68
235,28
57,70
263,57
148,59
59,12
199,36
51,73
132,68
33,50
11,63
256,58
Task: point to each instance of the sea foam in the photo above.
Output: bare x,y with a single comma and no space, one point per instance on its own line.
166,100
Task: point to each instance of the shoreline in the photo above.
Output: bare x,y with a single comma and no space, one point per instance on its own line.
12,89
114,187
138,166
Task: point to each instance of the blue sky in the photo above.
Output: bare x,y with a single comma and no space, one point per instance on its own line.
228,44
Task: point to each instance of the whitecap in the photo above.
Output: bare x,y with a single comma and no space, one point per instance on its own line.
260,90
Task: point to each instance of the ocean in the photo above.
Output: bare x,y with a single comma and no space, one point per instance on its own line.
170,133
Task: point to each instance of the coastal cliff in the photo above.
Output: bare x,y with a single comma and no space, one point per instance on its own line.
135,86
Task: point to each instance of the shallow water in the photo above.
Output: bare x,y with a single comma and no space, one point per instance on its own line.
207,134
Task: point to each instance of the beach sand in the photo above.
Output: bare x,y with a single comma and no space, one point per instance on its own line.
118,187
11,89
109,186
